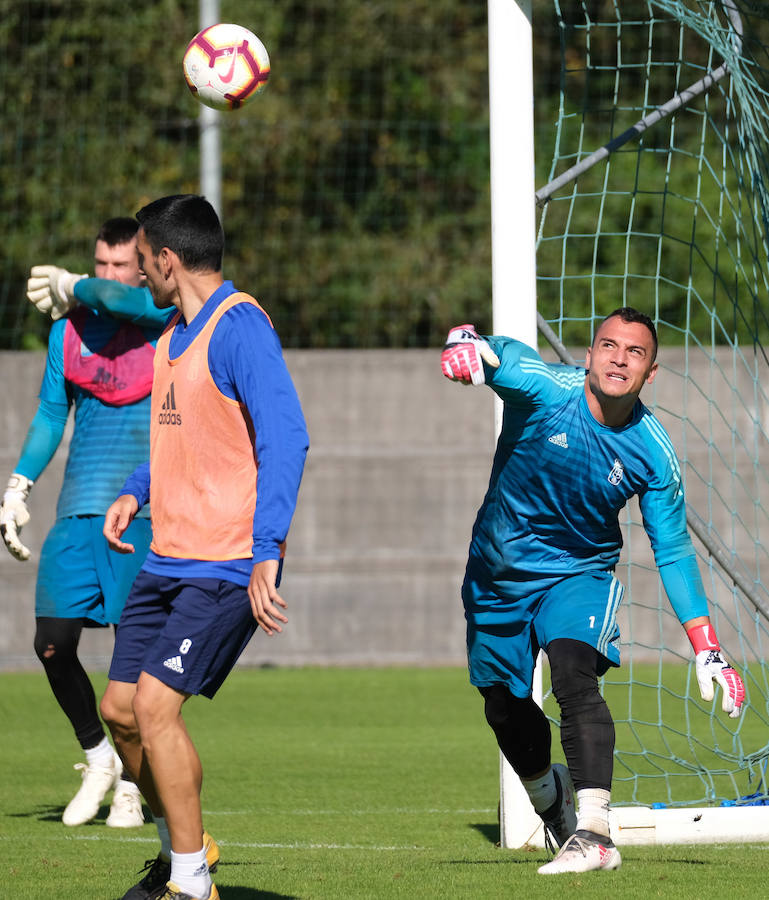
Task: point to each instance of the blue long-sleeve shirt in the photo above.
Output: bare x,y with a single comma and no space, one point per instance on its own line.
246,363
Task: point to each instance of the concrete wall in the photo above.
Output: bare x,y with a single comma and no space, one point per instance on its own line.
399,463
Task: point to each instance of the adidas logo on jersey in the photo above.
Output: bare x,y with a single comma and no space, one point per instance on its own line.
174,663
559,440
168,414
108,380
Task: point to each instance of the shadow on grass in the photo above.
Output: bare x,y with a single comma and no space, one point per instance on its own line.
247,893
54,814
51,813
244,893
502,861
490,832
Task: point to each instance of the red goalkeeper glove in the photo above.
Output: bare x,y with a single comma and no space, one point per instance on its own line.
710,666
463,355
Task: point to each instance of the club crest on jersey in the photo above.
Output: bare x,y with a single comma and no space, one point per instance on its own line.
617,472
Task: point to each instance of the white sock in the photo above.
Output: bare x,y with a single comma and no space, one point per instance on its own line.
542,791
165,837
593,810
101,755
189,871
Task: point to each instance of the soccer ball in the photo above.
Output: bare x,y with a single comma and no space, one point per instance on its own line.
226,66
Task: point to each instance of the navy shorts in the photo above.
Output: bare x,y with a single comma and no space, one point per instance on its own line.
188,633
503,646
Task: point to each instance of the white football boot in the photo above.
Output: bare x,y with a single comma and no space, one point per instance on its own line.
126,810
583,852
97,781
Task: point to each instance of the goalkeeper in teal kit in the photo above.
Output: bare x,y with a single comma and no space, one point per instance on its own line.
575,445
99,362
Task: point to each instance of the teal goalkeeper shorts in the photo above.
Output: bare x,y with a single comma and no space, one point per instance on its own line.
80,577
582,607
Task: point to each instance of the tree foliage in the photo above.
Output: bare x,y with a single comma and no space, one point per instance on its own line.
355,189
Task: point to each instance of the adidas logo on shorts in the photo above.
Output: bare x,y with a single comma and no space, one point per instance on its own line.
174,663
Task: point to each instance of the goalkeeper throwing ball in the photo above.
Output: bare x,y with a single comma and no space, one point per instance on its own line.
576,444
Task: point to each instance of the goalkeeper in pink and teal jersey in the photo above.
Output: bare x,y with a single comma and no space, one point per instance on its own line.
99,364
575,445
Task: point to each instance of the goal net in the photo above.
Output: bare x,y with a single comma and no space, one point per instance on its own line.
653,174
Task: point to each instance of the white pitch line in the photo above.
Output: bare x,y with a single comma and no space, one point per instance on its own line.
397,811
298,845
112,838
255,845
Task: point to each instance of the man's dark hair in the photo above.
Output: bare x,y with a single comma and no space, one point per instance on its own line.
119,230
188,225
630,315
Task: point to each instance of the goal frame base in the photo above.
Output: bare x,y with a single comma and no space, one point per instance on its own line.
649,826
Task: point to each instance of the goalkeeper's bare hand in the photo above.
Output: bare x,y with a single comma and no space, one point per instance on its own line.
463,355
52,290
118,517
14,515
710,667
264,596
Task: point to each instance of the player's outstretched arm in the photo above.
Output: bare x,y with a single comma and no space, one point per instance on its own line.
710,666
14,514
120,301
463,356
118,517
264,596
52,290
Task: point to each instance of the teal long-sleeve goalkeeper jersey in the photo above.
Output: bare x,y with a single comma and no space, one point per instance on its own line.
560,479
107,442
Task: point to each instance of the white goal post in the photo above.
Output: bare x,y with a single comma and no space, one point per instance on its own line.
642,825
511,136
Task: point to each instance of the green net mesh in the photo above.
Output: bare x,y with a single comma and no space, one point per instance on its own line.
670,215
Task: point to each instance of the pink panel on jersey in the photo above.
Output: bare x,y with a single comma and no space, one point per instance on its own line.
120,372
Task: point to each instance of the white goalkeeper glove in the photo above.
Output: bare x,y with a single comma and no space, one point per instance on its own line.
52,290
14,514
710,666
463,355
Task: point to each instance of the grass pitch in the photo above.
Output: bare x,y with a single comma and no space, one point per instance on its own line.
320,783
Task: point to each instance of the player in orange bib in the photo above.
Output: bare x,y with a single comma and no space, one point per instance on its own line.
227,449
